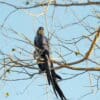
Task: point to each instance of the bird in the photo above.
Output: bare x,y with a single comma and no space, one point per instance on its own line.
42,55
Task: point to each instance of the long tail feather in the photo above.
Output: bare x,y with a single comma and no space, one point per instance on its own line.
58,90
51,76
54,73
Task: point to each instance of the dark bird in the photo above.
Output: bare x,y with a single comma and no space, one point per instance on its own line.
41,54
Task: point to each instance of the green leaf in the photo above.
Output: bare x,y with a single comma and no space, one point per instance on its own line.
77,53
7,94
27,3
8,70
13,49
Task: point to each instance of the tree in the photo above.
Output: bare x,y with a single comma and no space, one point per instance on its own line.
73,30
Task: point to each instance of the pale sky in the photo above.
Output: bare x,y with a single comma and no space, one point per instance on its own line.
27,23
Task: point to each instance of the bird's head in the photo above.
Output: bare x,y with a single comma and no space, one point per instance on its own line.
40,31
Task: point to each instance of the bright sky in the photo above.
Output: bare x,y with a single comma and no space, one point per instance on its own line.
27,23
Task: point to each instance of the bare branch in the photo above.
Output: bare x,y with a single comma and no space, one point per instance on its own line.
52,4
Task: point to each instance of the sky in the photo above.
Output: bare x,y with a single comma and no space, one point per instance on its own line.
27,23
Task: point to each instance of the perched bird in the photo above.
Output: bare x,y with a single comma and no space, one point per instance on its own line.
42,56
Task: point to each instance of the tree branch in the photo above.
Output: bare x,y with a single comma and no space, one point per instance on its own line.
86,57
52,4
